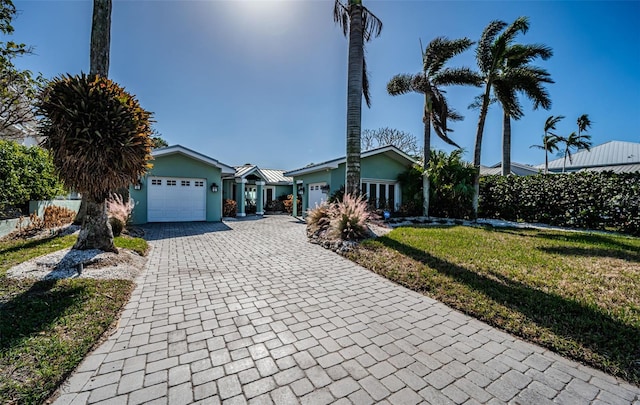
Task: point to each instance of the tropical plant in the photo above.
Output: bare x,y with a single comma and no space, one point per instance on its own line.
362,26
229,208
492,52
349,218
26,173
574,141
119,212
429,82
519,76
550,140
584,123
451,182
99,137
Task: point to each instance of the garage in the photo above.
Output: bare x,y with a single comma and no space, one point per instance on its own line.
316,195
176,199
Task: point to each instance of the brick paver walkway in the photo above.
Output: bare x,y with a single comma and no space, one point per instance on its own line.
251,312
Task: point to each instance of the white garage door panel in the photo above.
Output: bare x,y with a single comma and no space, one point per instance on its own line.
176,199
316,196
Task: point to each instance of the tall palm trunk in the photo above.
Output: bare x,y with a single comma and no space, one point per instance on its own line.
427,155
354,98
96,231
484,108
506,144
546,155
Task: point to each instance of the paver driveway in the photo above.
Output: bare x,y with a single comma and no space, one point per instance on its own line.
251,312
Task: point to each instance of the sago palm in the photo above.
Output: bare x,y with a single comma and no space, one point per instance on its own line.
99,137
361,26
517,75
429,83
550,141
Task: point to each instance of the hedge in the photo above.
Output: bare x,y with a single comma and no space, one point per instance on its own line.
593,200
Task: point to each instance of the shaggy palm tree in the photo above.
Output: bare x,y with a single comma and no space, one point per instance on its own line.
517,75
361,25
429,82
584,123
491,55
99,137
550,141
574,141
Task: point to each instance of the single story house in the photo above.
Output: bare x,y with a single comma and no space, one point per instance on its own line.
615,156
182,185
379,170
254,188
517,169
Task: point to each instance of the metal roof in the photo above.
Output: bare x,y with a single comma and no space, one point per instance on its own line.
612,153
270,176
616,169
517,169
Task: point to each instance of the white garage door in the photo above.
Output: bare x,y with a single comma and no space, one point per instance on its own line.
176,199
316,196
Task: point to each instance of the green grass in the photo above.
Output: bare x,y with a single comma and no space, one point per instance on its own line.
47,327
577,294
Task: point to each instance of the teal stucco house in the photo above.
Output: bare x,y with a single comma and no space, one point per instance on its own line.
253,188
183,185
379,170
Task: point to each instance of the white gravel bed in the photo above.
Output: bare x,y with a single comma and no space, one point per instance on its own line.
96,264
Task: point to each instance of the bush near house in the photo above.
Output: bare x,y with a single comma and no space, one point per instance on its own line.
230,208
581,200
344,220
26,173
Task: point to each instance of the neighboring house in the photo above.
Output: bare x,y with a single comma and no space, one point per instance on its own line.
183,185
25,134
254,189
616,156
517,169
379,170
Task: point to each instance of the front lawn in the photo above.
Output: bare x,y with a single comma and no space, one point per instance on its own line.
47,327
577,294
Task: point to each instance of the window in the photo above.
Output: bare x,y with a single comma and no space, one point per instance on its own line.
199,183
171,182
380,195
156,182
185,183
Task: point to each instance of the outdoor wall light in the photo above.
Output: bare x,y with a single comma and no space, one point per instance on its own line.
214,188
137,185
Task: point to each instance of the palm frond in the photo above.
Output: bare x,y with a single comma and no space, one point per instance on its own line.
505,92
459,76
372,25
478,100
400,84
365,83
519,54
440,50
483,51
529,80
584,123
341,16
551,122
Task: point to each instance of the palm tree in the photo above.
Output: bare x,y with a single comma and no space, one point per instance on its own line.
99,137
362,26
550,140
518,76
576,141
491,54
429,83
99,60
584,123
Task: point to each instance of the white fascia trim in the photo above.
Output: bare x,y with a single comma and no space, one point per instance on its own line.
306,170
260,183
241,180
369,180
195,155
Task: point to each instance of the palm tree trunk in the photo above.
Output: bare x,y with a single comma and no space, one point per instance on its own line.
99,62
354,98
546,161
427,155
506,144
564,162
478,147
96,231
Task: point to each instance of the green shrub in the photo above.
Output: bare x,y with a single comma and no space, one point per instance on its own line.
450,185
117,226
582,200
230,208
26,173
319,218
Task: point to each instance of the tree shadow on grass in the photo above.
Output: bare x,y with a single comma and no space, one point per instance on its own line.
33,311
608,337
30,244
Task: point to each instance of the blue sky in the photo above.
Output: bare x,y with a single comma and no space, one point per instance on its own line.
265,81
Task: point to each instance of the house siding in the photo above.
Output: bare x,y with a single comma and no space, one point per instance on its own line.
179,165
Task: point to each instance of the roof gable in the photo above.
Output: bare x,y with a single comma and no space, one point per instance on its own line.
388,150
179,149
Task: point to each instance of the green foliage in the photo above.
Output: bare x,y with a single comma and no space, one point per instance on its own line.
337,195
98,133
582,200
451,185
26,173
411,186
